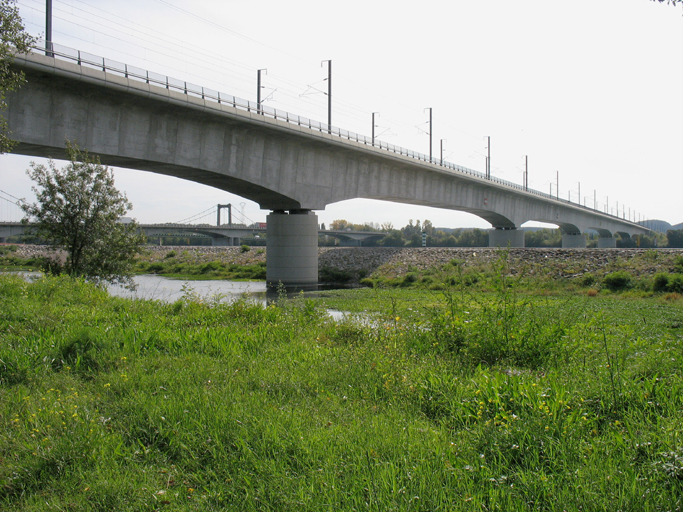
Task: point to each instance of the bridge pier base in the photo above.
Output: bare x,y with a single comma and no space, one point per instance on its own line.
574,241
292,249
225,241
506,237
607,242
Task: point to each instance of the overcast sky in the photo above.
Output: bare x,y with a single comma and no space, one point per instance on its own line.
587,88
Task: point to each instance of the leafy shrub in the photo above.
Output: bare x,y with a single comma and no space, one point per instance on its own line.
155,267
678,264
616,281
245,248
333,275
668,283
170,254
46,264
661,282
212,266
409,278
676,283
587,279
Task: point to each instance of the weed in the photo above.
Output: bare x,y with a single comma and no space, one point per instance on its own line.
464,398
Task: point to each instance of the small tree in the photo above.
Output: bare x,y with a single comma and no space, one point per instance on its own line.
674,238
12,39
79,210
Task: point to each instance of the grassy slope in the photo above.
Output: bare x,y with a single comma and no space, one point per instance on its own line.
448,400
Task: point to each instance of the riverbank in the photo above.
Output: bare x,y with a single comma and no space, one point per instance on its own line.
490,401
353,264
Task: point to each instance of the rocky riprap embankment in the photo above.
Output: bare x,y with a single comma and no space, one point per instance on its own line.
363,261
553,262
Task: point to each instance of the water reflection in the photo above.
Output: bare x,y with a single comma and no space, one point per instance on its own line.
169,290
153,287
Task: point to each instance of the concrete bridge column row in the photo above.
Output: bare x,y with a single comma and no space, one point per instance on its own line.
500,237
228,241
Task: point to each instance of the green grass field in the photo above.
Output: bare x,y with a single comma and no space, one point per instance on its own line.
465,397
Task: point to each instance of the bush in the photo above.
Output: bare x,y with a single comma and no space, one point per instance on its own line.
587,279
333,275
155,267
245,248
51,266
366,281
661,282
616,281
409,278
668,283
212,266
678,264
676,283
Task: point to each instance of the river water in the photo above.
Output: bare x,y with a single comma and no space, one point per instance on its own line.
169,290
153,287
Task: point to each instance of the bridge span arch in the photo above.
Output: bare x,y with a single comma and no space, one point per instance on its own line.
286,167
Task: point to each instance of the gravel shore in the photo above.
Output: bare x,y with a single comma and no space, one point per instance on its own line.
363,261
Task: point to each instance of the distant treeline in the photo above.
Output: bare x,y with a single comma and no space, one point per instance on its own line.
411,236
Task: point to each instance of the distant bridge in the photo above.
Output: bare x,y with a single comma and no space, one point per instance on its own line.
288,164
225,235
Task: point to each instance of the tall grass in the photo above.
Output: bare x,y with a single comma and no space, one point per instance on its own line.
442,400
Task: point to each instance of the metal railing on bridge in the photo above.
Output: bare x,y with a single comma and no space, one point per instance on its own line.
108,65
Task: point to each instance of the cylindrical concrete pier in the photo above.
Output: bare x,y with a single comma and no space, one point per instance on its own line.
292,249
221,241
607,242
574,241
506,237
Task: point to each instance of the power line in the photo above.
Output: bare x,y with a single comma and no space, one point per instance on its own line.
205,213
158,43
